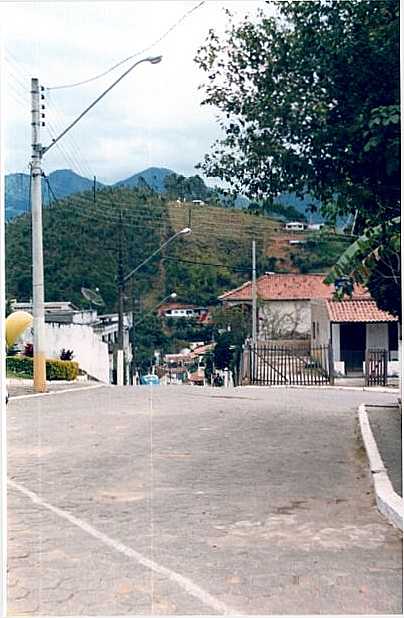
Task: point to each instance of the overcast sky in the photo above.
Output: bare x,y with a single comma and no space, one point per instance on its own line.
152,118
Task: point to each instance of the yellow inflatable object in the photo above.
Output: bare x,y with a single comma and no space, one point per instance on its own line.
16,323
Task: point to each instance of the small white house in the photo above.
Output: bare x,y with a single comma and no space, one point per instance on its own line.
353,326
295,226
180,313
198,202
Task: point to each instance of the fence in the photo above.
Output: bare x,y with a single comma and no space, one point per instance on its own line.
266,364
376,367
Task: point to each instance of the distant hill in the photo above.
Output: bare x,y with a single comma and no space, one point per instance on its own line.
154,177
66,182
81,240
63,183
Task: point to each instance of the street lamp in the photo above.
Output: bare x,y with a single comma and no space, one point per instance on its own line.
172,295
121,283
38,151
183,232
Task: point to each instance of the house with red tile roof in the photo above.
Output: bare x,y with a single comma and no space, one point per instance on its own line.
283,302
353,326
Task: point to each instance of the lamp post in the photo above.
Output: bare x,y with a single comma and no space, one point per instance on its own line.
120,366
38,151
172,295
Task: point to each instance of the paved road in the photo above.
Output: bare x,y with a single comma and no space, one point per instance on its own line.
185,500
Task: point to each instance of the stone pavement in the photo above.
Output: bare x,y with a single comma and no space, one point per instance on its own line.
186,500
386,428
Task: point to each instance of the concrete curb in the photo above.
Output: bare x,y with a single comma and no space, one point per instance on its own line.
389,503
370,389
66,390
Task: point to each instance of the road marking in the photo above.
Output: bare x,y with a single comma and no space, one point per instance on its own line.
183,582
66,390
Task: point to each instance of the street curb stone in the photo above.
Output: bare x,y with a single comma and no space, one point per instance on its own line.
389,503
61,392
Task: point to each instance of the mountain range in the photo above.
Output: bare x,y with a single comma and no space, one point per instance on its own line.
65,182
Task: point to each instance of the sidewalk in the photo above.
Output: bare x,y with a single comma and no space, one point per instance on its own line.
18,387
380,427
386,428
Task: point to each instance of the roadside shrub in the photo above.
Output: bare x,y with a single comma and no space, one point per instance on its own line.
61,370
55,369
66,355
20,365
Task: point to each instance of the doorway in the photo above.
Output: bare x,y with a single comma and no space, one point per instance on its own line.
353,346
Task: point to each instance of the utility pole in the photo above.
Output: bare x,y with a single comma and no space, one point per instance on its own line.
120,356
38,151
38,293
254,294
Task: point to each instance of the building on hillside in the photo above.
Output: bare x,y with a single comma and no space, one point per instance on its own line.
353,326
183,310
295,226
283,303
187,366
315,227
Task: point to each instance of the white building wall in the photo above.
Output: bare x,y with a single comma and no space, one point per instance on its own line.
89,351
377,336
336,342
284,318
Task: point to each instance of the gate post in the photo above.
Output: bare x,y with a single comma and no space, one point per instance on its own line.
385,358
331,364
367,362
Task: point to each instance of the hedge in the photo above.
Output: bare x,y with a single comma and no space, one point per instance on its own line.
55,369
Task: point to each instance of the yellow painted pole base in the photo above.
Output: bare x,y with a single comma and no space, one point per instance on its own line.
39,373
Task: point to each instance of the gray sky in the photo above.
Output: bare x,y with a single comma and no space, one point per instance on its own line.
152,118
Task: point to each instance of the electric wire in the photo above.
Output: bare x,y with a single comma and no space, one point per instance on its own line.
58,123
174,259
142,51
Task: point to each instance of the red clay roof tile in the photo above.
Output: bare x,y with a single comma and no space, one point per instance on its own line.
287,287
357,310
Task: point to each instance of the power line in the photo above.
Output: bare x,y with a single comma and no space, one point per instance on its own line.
173,259
142,51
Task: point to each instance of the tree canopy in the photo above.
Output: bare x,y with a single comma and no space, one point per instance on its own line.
310,103
309,100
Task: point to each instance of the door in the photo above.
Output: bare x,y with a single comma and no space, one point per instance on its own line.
353,346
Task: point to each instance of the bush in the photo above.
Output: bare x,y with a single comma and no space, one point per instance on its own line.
66,355
55,369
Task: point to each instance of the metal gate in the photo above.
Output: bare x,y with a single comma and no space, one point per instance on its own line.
376,367
266,364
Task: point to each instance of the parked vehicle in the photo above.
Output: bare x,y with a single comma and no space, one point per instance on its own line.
150,378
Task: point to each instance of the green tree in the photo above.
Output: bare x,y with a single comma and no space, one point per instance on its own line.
310,103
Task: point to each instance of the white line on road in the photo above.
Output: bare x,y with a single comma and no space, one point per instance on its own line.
184,583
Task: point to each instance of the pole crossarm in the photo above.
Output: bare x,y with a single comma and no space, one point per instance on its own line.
102,95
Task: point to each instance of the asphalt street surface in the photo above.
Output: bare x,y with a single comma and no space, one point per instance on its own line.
190,500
